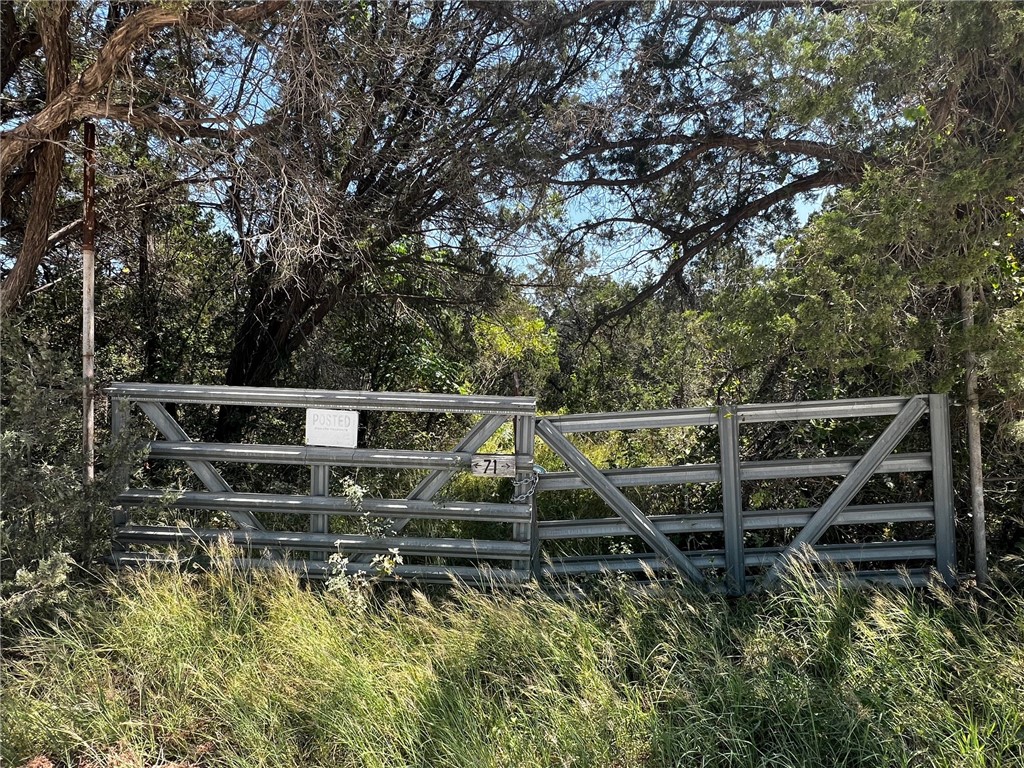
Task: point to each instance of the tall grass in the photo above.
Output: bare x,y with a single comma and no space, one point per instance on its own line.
223,670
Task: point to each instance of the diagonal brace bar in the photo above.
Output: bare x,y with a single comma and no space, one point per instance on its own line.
204,470
611,495
852,484
435,481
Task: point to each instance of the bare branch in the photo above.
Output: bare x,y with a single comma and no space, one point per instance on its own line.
701,144
131,33
716,229
169,126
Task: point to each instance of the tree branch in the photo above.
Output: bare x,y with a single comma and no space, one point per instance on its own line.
132,32
702,145
716,229
167,125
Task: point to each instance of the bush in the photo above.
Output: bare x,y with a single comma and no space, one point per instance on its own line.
47,520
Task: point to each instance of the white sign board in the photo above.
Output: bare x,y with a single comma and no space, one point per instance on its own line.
492,465
337,429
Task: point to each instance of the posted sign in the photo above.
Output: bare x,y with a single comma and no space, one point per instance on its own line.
492,465
337,429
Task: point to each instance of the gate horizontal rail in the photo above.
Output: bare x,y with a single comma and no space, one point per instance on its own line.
239,453
749,470
763,556
329,542
711,522
678,542
328,505
695,417
322,398
430,574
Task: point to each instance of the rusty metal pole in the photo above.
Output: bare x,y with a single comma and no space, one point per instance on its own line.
88,306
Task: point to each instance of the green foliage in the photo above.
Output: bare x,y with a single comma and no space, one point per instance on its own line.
166,315
32,594
44,508
48,521
214,669
515,350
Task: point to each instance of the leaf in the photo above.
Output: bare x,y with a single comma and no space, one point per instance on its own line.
916,114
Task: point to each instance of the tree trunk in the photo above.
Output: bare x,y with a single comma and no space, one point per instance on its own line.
277,321
260,350
974,439
53,25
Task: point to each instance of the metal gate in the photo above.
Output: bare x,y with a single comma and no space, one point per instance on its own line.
733,564
259,545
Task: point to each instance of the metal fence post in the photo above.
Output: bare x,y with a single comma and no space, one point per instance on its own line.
942,482
524,484
732,499
120,409
319,485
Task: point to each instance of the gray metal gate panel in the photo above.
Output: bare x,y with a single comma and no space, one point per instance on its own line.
611,495
852,484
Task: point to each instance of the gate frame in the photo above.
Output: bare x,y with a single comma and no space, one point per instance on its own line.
318,505
523,551
733,521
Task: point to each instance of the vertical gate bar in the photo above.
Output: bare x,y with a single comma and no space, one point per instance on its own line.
319,485
119,411
732,499
524,440
942,482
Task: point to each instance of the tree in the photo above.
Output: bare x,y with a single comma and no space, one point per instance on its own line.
683,149
372,148
31,153
909,281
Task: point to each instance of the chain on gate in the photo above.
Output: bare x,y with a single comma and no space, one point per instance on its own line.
525,488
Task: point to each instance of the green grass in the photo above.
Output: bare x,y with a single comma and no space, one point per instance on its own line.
164,668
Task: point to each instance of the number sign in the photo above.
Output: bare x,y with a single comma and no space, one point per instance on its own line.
492,465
